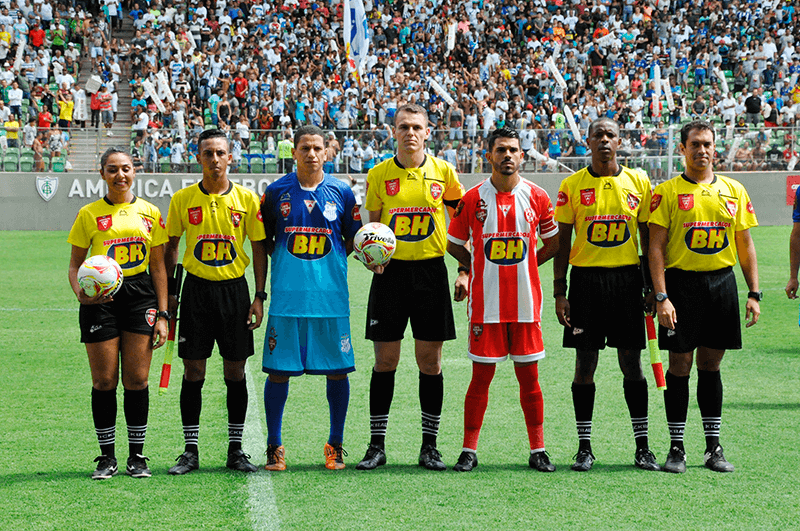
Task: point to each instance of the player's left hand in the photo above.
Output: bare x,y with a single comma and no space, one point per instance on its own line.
160,331
752,312
461,287
257,310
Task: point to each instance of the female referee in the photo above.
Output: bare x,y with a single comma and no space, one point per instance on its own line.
130,325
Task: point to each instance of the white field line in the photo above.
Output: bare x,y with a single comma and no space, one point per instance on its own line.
75,309
261,498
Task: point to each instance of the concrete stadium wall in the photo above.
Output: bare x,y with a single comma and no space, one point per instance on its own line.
23,207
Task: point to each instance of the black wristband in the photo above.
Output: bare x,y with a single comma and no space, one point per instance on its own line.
463,269
261,295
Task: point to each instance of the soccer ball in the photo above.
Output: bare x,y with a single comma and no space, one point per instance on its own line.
374,244
100,274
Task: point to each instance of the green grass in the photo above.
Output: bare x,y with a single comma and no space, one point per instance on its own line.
47,439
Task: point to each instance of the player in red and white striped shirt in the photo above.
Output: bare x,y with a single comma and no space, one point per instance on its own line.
502,219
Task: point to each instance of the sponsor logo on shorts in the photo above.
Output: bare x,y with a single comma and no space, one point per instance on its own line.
148,223
686,201
373,322
345,343
562,199
577,331
195,215
477,330
309,204
329,212
654,202
150,315
670,333
104,223
94,329
505,251
587,197
436,190
272,340
392,186
286,209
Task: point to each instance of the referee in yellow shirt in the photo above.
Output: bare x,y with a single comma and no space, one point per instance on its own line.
699,225
410,193
217,216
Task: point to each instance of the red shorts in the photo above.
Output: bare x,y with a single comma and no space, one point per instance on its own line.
597,71
496,342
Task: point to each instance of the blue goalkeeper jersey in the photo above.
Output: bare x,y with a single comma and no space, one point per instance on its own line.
309,227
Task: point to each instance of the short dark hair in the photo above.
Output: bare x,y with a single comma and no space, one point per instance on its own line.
603,119
307,130
700,125
208,134
111,151
412,108
502,132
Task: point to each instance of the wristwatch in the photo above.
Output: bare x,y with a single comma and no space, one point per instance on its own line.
261,295
757,295
661,297
165,314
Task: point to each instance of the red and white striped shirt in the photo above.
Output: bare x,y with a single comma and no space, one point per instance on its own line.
504,283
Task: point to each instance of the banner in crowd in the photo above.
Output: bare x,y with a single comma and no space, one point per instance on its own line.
355,36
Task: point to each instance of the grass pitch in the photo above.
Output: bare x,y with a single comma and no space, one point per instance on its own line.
47,439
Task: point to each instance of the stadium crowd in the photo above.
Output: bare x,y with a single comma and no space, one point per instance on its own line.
260,70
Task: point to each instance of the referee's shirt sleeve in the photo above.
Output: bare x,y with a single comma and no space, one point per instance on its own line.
174,222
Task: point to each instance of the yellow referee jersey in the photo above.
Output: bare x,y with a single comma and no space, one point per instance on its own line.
412,202
605,212
216,227
702,221
126,232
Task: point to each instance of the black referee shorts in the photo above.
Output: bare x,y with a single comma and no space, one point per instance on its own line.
133,309
606,308
214,311
416,291
707,308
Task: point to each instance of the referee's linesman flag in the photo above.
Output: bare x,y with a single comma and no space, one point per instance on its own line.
355,36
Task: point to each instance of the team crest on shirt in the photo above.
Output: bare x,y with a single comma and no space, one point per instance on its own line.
104,222
530,216
654,202
356,213
161,222
633,201
504,209
562,199
344,341
196,215
148,223
477,330
686,201
752,210
150,315
236,218
272,340
309,204
587,197
480,211
286,208
330,211
731,206
436,190
392,186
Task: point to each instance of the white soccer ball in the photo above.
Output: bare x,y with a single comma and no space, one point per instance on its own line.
374,244
100,274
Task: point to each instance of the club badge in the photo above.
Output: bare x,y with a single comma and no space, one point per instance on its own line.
356,213
530,216
480,211
750,208
286,209
654,202
148,224
47,187
345,343
309,204
731,206
150,315
392,187
104,222
562,199
504,209
587,197
236,218
686,201
196,215
436,190
272,341
477,330
161,222
330,211
633,202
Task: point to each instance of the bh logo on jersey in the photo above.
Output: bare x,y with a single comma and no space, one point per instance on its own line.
707,240
505,251
608,233
129,254
215,252
308,246
413,226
